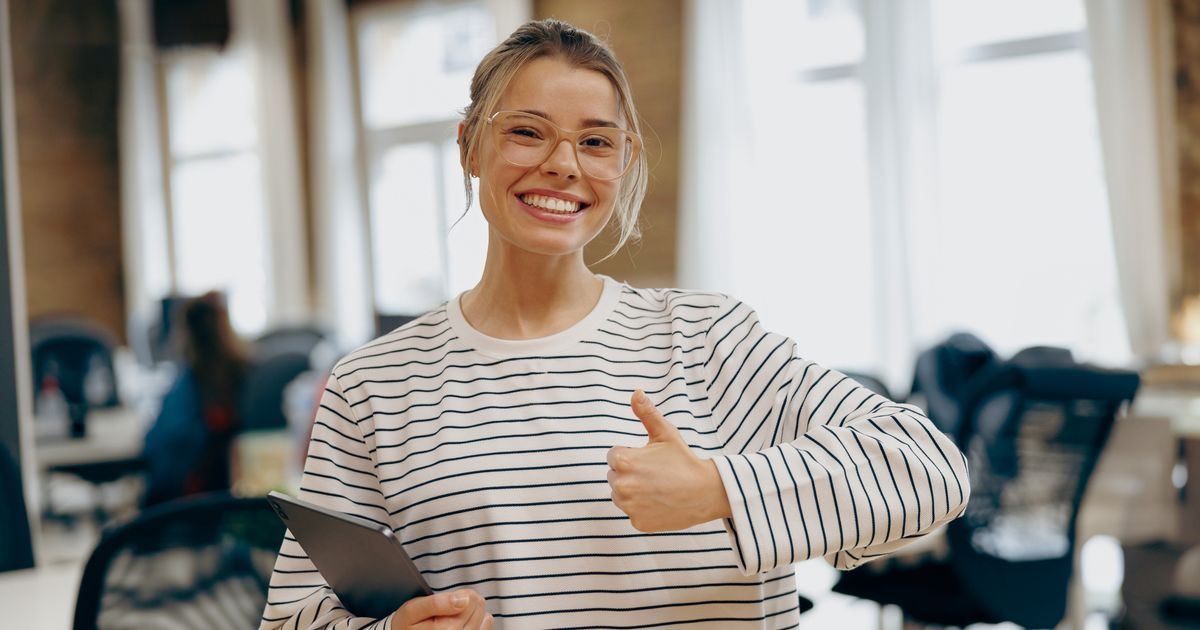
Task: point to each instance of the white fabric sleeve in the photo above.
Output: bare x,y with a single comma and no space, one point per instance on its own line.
815,464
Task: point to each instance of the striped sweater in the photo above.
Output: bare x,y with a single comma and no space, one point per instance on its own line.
487,458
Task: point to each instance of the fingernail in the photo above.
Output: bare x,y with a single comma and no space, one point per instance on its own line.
459,601
639,396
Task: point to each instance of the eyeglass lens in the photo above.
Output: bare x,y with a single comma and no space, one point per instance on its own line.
525,140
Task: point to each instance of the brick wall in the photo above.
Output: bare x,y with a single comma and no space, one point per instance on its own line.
65,64
1186,26
648,39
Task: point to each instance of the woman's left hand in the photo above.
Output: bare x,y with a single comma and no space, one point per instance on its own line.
663,486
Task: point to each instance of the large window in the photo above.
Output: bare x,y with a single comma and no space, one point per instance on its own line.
217,203
928,166
1020,247
809,110
415,62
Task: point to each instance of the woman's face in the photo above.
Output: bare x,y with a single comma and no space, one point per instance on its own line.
512,196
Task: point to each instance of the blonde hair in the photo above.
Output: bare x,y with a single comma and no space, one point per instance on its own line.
577,47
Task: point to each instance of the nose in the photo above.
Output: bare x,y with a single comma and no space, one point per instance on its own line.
562,162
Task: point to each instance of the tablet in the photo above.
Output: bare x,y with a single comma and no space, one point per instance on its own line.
361,560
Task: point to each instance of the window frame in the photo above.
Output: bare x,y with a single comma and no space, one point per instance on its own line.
171,162
374,143
902,155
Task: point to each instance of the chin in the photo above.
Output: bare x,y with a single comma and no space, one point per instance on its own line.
551,246
545,240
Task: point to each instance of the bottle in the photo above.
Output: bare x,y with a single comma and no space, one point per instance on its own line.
97,382
50,408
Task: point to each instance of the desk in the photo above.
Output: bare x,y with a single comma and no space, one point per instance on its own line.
112,435
1130,496
111,450
43,597
1181,407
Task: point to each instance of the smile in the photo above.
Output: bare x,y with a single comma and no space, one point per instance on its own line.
552,204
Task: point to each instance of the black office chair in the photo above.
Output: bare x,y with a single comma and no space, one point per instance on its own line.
1043,356
73,350
1032,440
943,374
203,562
77,353
289,340
262,395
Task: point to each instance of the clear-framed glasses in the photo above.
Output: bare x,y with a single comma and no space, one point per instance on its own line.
605,153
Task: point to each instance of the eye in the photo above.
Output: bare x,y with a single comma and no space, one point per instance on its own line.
596,142
525,132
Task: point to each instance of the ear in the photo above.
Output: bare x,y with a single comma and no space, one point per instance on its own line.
474,172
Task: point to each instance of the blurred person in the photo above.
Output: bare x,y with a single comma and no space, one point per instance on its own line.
188,449
557,449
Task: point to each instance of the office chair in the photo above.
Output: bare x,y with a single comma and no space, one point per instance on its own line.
202,562
1043,356
72,349
1032,439
262,395
942,376
289,339
78,354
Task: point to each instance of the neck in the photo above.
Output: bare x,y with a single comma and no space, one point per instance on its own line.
523,295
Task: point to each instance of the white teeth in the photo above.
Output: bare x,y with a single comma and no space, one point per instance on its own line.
552,204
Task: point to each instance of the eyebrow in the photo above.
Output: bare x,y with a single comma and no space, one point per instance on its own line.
588,122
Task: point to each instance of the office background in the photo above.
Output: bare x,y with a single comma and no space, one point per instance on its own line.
872,176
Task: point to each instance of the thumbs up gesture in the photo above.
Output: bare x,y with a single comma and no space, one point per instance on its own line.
663,486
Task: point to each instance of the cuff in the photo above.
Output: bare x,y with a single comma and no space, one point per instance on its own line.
740,526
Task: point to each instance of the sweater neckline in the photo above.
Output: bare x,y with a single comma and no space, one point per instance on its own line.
504,348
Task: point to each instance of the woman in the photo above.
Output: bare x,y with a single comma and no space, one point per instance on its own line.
187,451
506,439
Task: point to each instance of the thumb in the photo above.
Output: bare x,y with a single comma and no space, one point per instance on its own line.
658,428
439,605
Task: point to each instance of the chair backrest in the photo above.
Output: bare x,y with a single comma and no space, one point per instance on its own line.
1032,438
289,339
202,562
262,394
1043,356
943,375
72,350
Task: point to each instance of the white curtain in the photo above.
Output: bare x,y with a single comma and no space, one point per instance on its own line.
143,204
261,27
343,268
1131,64
715,149
261,33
